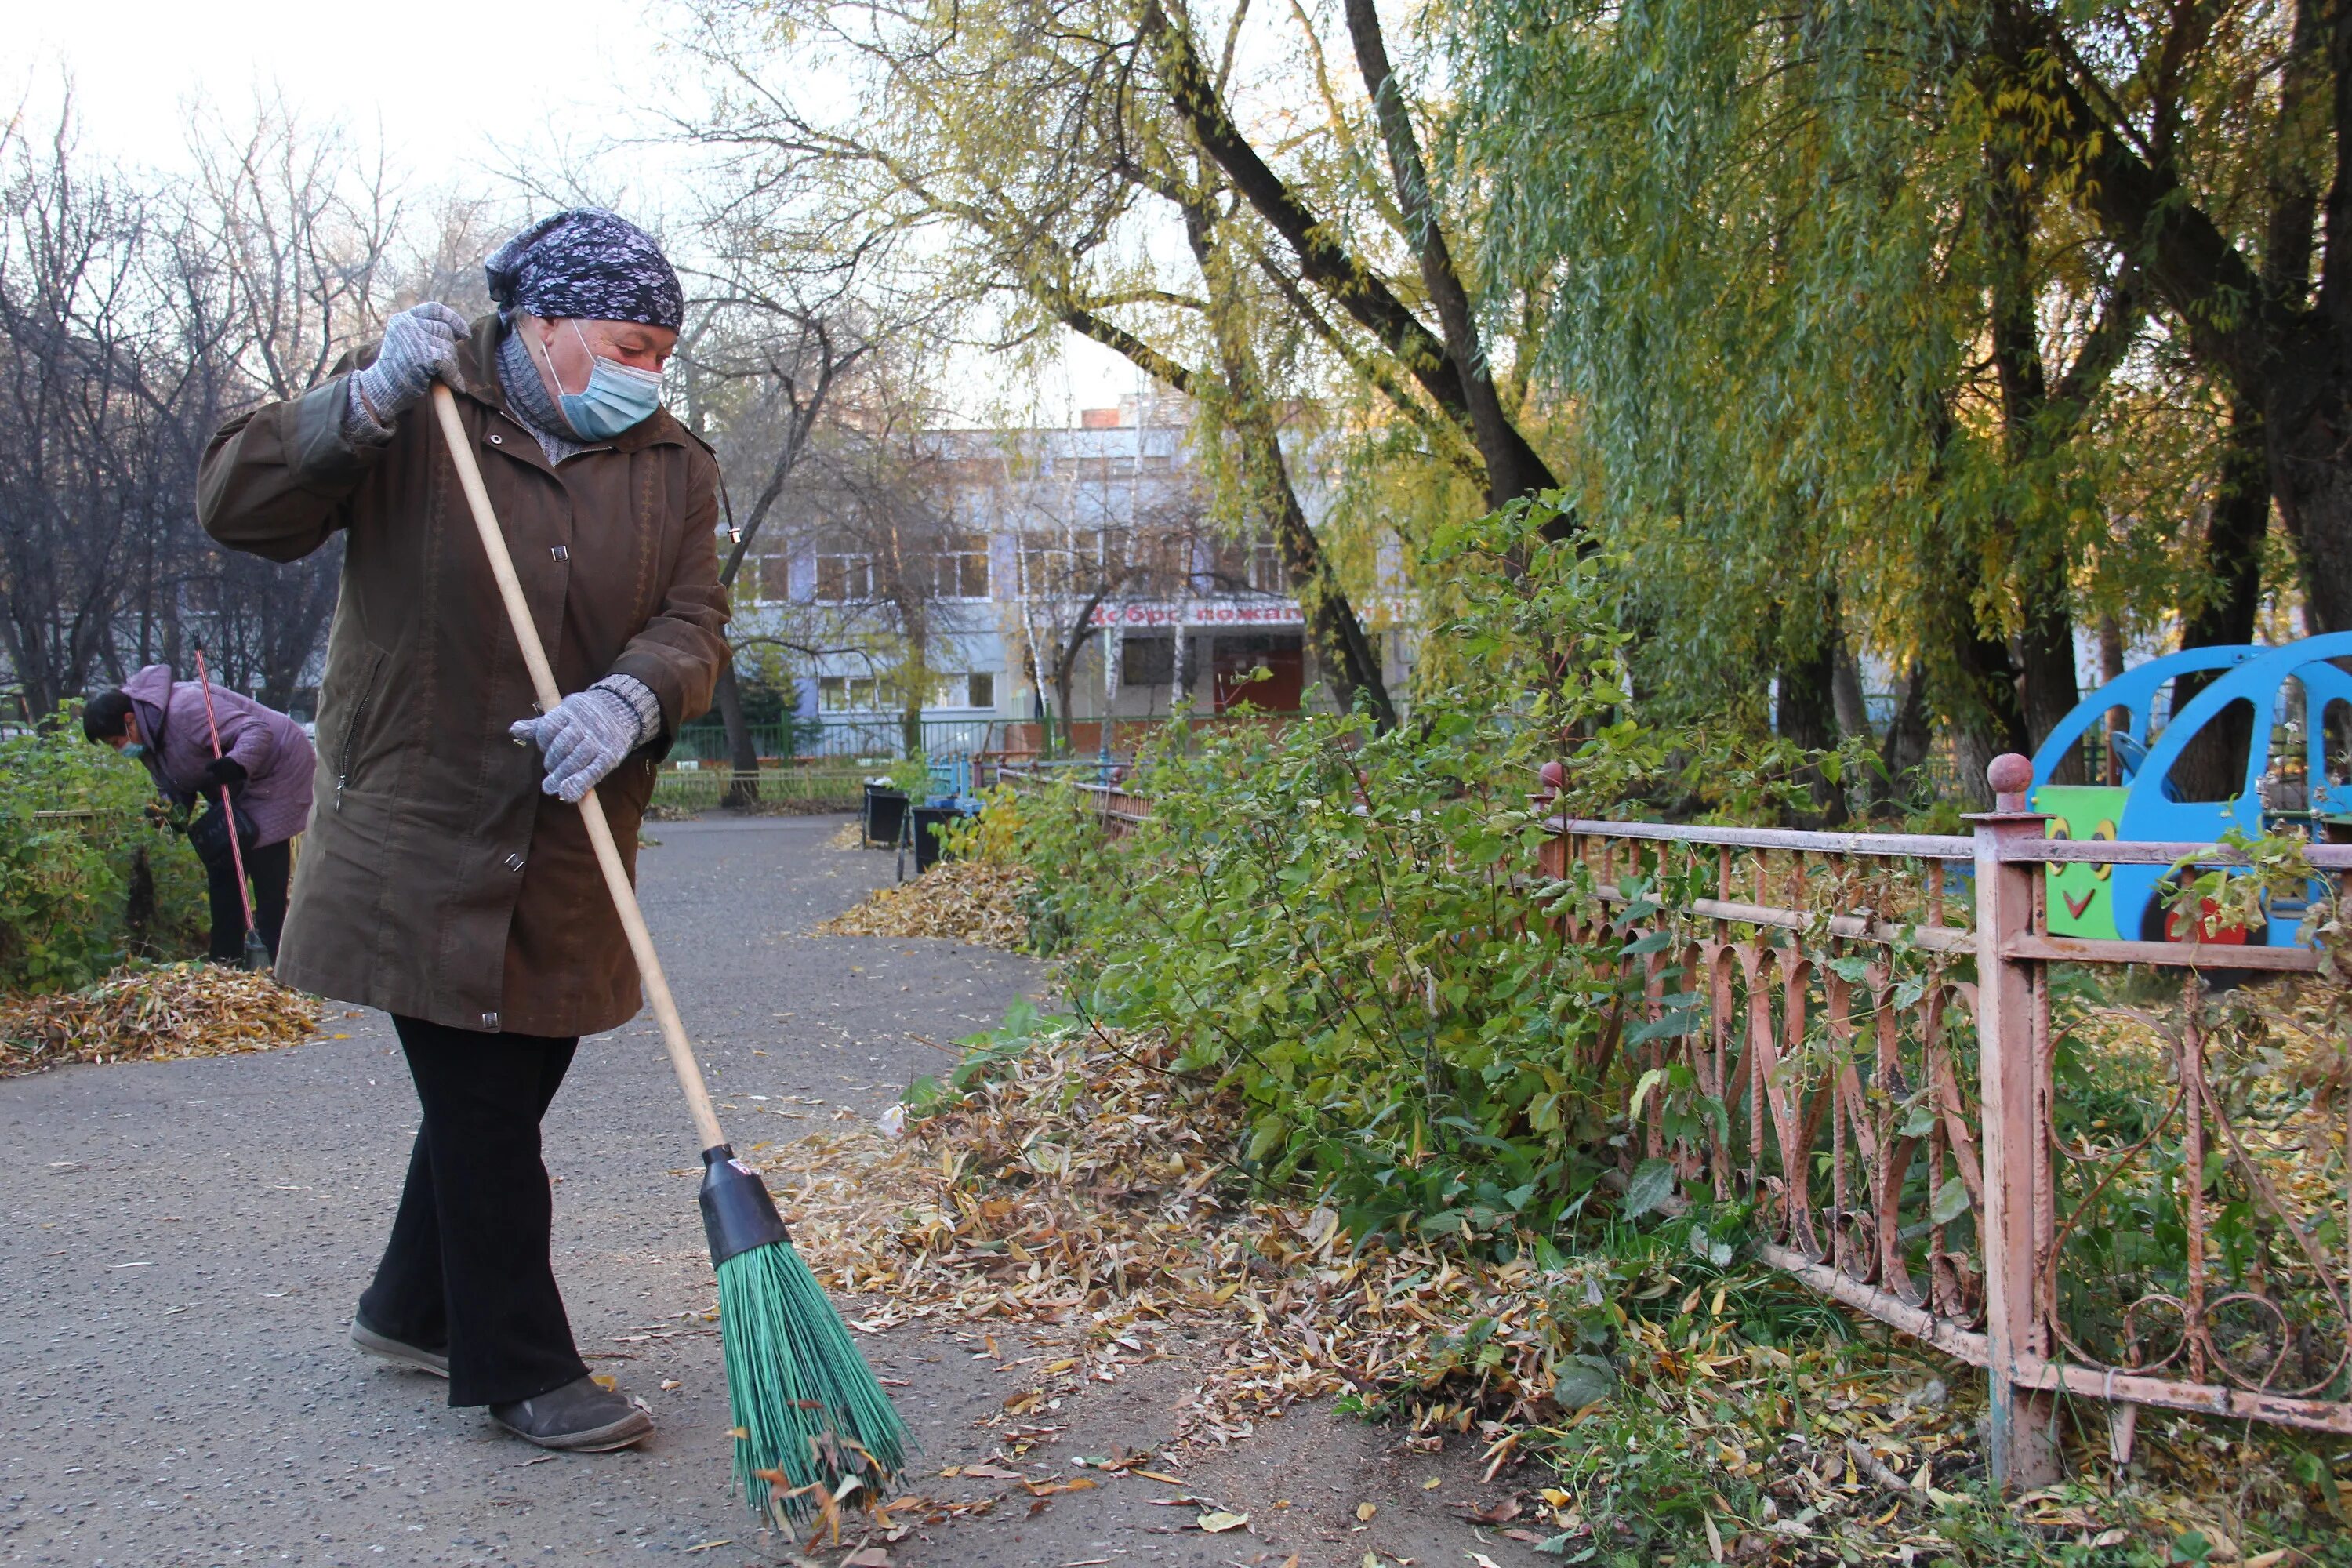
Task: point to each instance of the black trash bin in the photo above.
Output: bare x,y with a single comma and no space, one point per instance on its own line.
885,812
929,820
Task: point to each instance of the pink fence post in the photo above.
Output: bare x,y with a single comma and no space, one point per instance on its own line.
2024,1436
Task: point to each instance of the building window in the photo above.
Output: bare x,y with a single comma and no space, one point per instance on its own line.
963,566
1147,661
848,693
760,580
975,690
1059,565
844,579
1266,573
1251,565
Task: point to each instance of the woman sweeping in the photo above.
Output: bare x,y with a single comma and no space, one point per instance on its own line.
442,879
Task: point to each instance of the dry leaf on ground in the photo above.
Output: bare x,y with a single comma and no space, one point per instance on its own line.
1083,1191
154,1013
961,900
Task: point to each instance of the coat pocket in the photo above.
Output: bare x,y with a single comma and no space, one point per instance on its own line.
353,737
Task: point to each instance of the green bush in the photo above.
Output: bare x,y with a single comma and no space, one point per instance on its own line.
74,826
1347,924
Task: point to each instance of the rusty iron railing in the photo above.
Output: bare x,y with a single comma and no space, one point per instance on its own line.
1908,1158
1119,811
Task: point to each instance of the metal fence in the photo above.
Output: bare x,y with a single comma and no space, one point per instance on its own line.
1868,1019
1907,1154
882,737
799,787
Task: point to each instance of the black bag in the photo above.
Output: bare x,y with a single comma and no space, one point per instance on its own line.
208,835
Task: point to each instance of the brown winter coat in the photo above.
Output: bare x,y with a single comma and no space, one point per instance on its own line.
436,879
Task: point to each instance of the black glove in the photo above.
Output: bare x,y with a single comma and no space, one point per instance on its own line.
222,772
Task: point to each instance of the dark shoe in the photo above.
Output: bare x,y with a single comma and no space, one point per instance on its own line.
390,1348
578,1418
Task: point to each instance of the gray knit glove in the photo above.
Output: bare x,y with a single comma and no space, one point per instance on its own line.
418,343
590,731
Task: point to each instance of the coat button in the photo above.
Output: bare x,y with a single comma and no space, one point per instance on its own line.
498,441
514,862
559,553
489,1020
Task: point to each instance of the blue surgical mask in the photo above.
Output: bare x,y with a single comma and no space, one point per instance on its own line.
133,748
617,396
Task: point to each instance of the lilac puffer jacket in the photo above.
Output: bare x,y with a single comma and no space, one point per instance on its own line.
275,753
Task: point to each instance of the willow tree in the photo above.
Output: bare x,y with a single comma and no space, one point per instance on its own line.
2206,142
1853,367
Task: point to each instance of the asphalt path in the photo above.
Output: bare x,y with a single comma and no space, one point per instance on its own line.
181,1244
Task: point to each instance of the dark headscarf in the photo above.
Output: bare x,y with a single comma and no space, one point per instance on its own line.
587,264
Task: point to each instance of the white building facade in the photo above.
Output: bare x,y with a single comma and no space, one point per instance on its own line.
1080,563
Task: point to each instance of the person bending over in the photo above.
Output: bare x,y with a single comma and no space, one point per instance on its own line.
265,764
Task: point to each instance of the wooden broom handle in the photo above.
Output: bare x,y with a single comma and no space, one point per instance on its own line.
592,810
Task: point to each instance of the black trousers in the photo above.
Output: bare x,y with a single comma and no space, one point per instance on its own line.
467,1264
268,869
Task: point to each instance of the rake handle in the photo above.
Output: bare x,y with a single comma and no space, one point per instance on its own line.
592,809
228,810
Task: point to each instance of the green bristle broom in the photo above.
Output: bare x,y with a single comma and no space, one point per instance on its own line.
812,1422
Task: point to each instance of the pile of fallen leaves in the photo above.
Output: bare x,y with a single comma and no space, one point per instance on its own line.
850,835
977,901
154,1012
1086,1183
1084,1190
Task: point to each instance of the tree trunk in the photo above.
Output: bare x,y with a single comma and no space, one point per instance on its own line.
1342,651
2045,659
2048,689
1904,748
1513,468
1066,680
1808,717
742,755
1984,712
1846,696
2212,766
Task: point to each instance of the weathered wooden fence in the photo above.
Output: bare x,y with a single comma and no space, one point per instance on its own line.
1868,1021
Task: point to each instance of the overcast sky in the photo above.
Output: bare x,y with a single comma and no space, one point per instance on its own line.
457,90
447,81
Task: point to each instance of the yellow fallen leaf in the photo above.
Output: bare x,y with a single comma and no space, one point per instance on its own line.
1431,1484
1364,1512
1157,1476
604,1380
1219,1522
1371,1560
1050,1489
1063,1365
2267,1559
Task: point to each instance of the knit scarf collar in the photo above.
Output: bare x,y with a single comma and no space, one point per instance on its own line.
527,401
